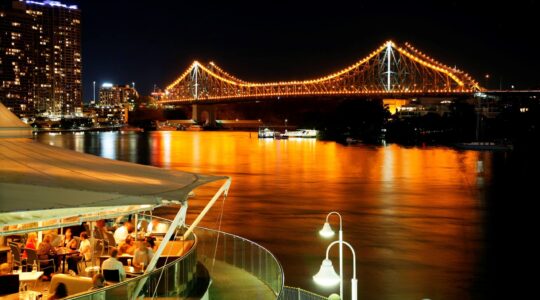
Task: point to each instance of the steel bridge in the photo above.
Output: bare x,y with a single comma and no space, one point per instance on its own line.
389,71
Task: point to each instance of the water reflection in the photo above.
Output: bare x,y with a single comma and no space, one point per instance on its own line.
413,215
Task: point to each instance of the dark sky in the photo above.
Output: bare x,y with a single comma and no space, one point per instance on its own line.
153,42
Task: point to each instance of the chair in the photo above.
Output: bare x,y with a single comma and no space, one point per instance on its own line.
78,239
74,284
15,250
43,264
111,275
10,284
109,237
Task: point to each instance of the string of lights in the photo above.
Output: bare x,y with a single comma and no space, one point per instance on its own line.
406,72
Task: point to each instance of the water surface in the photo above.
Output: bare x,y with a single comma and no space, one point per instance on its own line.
415,216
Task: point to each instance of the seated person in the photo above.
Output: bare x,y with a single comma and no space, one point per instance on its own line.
59,293
127,247
85,252
143,226
122,232
100,230
72,244
5,269
143,254
151,240
56,239
69,241
156,227
98,281
112,263
45,251
31,243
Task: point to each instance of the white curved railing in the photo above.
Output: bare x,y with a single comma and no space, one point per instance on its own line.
293,293
241,253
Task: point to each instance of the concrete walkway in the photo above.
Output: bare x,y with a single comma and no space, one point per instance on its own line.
229,282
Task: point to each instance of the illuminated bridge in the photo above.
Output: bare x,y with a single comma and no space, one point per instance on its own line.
389,71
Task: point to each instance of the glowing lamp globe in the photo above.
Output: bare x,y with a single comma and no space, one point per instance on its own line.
326,231
326,277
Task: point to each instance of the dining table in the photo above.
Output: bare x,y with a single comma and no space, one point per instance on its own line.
62,253
133,271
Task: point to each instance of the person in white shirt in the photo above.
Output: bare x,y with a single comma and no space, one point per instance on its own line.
143,254
156,227
85,252
122,232
113,264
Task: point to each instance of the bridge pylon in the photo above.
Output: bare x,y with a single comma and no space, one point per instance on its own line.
204,114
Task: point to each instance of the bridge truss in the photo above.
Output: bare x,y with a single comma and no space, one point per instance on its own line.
390,70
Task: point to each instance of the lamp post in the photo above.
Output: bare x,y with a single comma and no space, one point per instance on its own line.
327,232
328,277
94,83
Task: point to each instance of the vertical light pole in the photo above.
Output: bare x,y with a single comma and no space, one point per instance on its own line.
94,83
328,277
133,84
327,232
487,79
388,55
286,124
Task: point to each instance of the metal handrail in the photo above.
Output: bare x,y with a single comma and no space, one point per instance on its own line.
277,292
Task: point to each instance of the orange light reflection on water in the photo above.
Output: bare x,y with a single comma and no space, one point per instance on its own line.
414,215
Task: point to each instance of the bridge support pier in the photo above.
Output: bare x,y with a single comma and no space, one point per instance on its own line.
204,114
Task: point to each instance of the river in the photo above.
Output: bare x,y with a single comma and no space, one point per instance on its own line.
419,218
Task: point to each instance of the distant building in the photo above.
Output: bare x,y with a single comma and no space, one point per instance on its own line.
40,57
117,95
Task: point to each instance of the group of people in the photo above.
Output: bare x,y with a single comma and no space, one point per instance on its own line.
47,250
142,256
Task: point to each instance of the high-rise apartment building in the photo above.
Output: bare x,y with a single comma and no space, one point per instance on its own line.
40,53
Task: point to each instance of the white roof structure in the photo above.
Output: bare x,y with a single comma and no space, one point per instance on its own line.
11,126
47,186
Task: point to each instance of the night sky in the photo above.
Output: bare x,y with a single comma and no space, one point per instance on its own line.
153,42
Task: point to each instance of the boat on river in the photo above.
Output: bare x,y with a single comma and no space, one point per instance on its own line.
301,133
485,146
266,133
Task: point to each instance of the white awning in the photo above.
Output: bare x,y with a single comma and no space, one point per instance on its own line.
11,125
47,186
40,183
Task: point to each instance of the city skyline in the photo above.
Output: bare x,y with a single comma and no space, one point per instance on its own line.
152,44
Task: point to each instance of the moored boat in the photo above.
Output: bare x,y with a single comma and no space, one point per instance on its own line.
301,133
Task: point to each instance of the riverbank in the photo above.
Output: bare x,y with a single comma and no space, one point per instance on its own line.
90,129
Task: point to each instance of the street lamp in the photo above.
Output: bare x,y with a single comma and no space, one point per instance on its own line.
328,277
327,232
94,83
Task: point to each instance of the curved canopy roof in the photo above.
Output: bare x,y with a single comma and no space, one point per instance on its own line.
11,126
59,186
